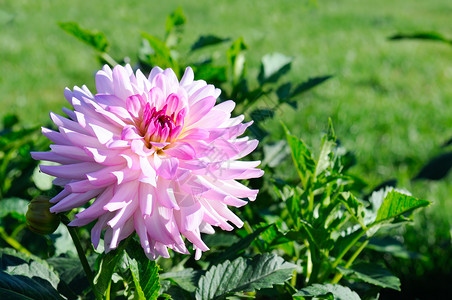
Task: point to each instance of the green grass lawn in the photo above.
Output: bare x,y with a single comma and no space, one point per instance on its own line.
390,101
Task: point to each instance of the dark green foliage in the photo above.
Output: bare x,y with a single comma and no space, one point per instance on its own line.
243,275
26,277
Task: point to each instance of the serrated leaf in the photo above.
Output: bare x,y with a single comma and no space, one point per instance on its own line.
396,204
70,271
95,39
301,155
336,291
372,273
243,275
207,40
26,277
144,272
185,279
273,66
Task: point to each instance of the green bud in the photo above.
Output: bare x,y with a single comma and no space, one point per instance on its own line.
39,218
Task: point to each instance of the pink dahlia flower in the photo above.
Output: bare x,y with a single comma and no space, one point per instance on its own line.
159,157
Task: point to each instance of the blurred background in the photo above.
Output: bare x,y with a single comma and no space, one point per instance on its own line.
390,100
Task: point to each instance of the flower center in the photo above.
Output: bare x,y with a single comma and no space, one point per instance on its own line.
157,128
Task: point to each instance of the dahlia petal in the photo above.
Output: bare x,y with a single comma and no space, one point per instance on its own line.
121,84
74,200
73,152
199,110
206,228
158,156
64,193
190,217
165,195
49,156
124,193
104,82
181,150
54,136
71,114
147,198
199,91
123,214
107,157
154,72
140,228
188,77
66,123
95,210
74,171
97,229
195,238
79,139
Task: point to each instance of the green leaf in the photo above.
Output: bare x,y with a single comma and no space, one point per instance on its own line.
326,148
175,19
161,55
144,271
220,239
42,181
236,59
354,207
433,36
275,153
95,39
15,206
239,247
26,277
301,155
259,115
107,265
185,279
9,120
372,273
309,84
273,66
326,291
70,271
393,247
207,40
396,204
293,207
243,275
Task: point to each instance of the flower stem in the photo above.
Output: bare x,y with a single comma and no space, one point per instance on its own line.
110,60
81,255
339,275
12,242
